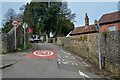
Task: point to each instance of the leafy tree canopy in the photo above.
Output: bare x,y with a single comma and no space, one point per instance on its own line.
49,17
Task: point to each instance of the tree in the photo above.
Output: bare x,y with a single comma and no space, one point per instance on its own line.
118,6
50,17
10,15
7,27
32,15
53,18
65,20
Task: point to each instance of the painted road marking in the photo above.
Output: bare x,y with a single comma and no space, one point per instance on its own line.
75,63
43,53
86,64
72,57
63,51
64,62
79,62
82,74
72,63
68,53
59,56
67,62
49,54
66,56
78,57
59,60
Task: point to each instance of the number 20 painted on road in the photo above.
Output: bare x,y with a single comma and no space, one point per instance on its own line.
42,54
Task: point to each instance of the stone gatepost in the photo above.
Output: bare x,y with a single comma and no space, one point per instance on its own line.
46,38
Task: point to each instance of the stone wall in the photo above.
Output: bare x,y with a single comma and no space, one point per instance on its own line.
4,42
83,45
86,46
110,45
8,40
0,42
8,43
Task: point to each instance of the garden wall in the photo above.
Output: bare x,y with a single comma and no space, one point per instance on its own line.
86,45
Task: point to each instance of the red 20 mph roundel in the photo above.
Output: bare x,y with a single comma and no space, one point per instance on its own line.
49,54
43,53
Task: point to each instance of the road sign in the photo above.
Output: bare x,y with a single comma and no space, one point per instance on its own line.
25,25
15,23
30,30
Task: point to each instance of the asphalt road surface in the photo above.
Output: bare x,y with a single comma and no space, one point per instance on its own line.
49,61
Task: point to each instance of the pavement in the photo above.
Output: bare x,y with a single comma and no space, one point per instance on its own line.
11,58
35,64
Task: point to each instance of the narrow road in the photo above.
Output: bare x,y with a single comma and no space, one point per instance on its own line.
55,63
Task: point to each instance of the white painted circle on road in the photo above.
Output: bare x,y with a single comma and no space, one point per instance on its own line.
43,53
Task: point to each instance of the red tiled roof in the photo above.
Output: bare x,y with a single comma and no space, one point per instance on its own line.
83,30
110,17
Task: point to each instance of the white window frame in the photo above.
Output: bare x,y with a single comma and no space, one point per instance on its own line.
112,28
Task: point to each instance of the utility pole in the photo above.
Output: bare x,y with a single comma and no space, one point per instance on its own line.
99,47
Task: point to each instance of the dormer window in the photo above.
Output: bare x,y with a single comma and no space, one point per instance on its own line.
111,28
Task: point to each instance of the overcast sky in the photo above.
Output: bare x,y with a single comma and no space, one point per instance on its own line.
94,9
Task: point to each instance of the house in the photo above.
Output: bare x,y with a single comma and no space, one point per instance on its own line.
110,22
86,29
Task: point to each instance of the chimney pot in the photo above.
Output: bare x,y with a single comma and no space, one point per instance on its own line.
86,20
95,22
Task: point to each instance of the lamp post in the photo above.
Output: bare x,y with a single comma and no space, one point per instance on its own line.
99,47
25,26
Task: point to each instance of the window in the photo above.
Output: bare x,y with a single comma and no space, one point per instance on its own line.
111,28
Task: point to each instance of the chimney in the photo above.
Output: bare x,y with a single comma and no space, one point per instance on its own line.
86,20
95,22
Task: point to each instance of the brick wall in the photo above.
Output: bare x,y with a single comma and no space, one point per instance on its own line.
104,28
